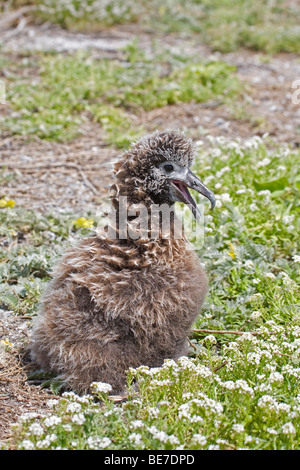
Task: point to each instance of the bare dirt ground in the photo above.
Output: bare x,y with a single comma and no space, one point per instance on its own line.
75,175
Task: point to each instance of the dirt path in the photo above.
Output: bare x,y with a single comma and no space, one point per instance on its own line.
75,175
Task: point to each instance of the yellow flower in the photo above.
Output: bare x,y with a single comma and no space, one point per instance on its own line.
10,203
231,252
6,203
6,342
83,222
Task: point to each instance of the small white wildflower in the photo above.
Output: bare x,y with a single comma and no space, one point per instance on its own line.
296,258
210,340
70,395
244,387
229,385
157,434
272,431
248,263
264,192
253,207
36,429
153,412
97,443
221,172
255,315
138,423
28,416
288,428
266,401
52,403
101,387
276,377
136,439
264,388
288,219
253,358
73,408
269,276
226,197
213,447
50,421
27,445
238,428
199,439
265,162
78,418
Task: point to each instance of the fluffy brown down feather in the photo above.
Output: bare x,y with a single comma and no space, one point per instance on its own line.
114,304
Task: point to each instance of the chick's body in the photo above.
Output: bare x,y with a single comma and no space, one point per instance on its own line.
114,303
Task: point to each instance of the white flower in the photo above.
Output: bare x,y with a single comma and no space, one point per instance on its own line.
210,339
269,276
253,207
288,219
276,377
226,197
101,387
52,403
138,423
36,429
229,385
272,431
296,258
288,428
199,439
253,358
51,421
264,192
136,439
27,445
28,416
238,428
78,418
264,162
73,408
223,170
255,315
248,263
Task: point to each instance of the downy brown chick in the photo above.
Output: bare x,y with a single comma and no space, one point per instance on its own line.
118,302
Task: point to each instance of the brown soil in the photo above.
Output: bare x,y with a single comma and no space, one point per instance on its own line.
75,175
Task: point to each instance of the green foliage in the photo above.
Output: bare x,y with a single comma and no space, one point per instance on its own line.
30,244
225,25
72,88
246,399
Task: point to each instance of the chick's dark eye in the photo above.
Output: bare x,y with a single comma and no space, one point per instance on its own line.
168,167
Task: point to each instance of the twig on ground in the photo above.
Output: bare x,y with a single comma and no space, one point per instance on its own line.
220,366
224,332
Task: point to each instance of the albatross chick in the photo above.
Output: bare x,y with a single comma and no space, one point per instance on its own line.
124,301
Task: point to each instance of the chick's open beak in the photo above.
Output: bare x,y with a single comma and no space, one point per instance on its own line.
180,192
